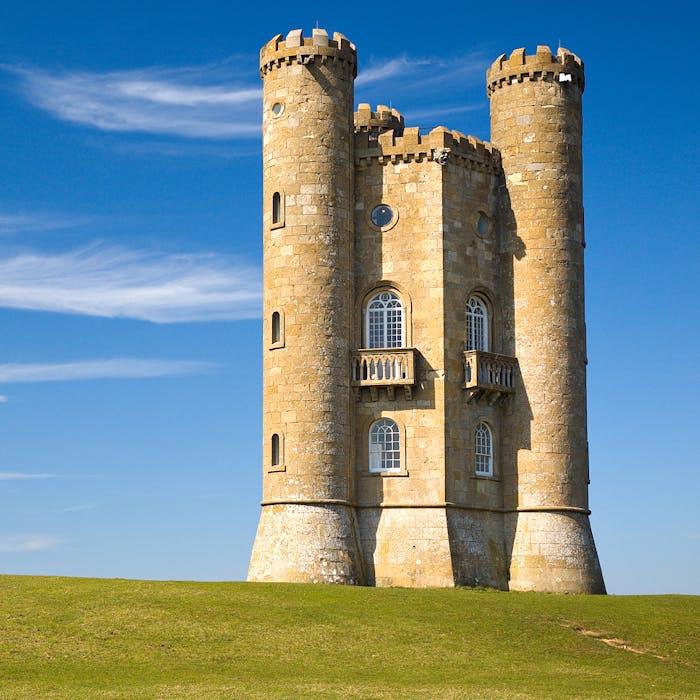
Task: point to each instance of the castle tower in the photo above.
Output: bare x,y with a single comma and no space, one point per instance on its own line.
536,125
307,531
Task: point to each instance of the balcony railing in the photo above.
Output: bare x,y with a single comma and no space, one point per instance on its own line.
488,376
389,368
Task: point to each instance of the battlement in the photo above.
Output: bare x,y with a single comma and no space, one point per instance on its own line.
377,122
305,50
564,67
440,145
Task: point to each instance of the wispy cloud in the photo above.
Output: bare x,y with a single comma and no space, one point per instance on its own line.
120,283
409,71
391,68
207,102
179,148
76,509
212,102
425,88
28,543
14,476
12,224
118,368
3,398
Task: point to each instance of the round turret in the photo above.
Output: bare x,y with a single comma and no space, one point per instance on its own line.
306,531
536,125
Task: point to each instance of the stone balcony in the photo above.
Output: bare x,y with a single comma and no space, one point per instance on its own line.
488,376
383,367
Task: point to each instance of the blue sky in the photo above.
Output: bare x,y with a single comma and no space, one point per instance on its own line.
130,258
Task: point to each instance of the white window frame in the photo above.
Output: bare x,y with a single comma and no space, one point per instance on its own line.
381,327
384,454
483,450
477,324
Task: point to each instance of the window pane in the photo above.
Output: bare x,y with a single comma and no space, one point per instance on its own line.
384,446
477,325
483,448
276,208
276,327
384,321
275,450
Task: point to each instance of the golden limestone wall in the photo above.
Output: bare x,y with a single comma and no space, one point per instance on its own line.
404,544
472,267
307,530
536,125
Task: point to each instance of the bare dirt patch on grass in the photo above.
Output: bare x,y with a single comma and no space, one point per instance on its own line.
614,642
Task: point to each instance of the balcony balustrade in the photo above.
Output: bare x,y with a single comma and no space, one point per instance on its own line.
387,367
488,376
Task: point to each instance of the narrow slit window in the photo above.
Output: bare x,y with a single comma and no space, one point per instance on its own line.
276,327
276,208
275,459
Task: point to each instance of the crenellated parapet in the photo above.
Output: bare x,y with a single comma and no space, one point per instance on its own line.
440,145
296,48
564,67
375,123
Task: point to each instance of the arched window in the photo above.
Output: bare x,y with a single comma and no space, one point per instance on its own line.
483,450
275,451
384,321
477,325
276,208
276,328
384,446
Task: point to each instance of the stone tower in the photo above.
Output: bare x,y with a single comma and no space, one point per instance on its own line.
307,530
424,409
536,123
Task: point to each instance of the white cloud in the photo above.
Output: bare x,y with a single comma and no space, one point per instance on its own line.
118,368
120,283
75,509
211,102
11,224
401,66
206,102
13,476
425,88
28,543
3,398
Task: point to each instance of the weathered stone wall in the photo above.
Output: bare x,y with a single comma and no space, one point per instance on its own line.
407,547
536,125
472,267
405,257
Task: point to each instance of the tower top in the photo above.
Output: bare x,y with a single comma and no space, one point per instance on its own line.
296,48
375,123
543,65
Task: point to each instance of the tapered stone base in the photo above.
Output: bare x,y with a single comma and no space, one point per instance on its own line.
300,543
553,552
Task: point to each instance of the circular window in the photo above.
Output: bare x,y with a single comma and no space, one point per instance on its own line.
482,224
383,216
277,109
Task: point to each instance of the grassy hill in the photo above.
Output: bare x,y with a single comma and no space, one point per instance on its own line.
90,638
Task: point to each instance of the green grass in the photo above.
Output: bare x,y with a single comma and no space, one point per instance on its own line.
90,638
